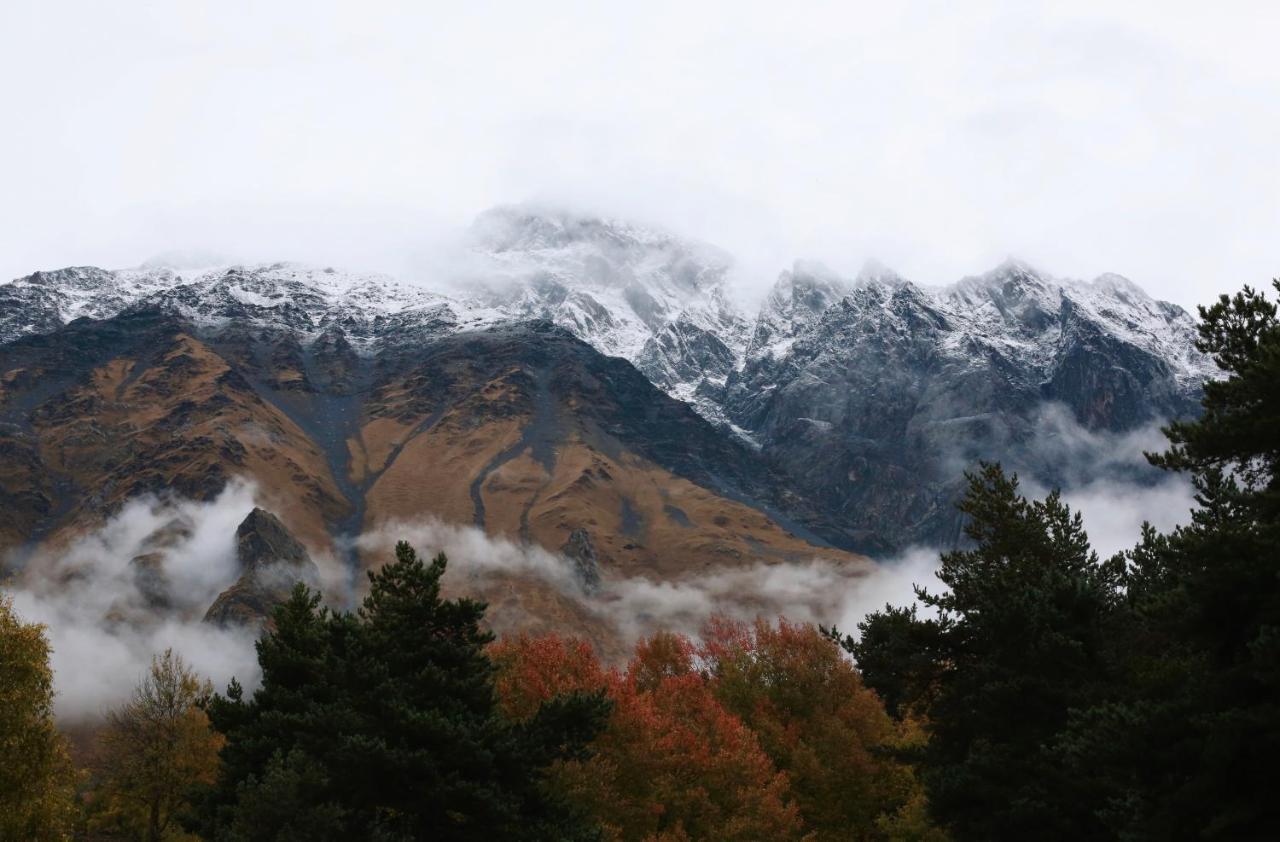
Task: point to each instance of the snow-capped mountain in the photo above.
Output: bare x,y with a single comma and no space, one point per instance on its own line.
871,393
304,299
654,299
44,301
1030,308
799,298
880,402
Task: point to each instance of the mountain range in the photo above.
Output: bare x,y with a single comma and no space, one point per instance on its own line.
595,389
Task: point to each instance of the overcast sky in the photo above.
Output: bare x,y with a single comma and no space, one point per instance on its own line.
1142,138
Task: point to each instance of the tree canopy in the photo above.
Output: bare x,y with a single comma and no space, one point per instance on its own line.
760,731
383,724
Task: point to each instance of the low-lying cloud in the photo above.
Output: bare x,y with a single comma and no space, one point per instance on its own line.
137,585
1106,477
816,591
142,581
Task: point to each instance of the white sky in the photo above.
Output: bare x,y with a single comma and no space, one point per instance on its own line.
1142,138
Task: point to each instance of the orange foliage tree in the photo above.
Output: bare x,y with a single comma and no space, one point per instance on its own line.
672,764
820,725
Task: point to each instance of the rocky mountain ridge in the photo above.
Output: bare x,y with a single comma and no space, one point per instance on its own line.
880,401
270,561
867,395
519,429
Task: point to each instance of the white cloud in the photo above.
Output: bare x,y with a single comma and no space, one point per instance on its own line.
1091,136
1105,476
1114,512
102,629
104,632
814,591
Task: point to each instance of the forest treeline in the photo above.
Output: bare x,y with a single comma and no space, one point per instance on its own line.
1035,691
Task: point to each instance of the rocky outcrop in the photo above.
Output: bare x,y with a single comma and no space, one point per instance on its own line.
878,406
586,565
148,567
271,563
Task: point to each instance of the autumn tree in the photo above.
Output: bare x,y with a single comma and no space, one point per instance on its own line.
830,734
37,782
383,724
673,763
151,752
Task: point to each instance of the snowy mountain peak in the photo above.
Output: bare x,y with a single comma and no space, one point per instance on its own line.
591,252
875,272
894,295
1011,278
1013,296
292,296
798,299
808,286
1014,312
662,302
619,286
1118,286
655,299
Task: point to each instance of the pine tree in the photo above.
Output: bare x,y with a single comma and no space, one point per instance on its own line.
1018,642
1187,743
383,724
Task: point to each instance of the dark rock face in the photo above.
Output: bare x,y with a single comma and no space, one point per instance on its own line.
797,301
151,580
586,565
878,406
684,352
271,563
149,575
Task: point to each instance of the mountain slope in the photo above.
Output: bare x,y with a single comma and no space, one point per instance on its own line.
877,406
866,397
520,429
103,411
657,300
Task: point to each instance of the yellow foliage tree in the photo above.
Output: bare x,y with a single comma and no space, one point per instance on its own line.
151,752
37,781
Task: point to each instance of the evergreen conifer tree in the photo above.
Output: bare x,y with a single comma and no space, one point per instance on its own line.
383,724
1185,745
1017,643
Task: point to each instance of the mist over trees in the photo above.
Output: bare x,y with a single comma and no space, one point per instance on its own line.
1135,697
383,724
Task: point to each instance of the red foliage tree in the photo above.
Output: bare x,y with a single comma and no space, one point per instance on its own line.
672,764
